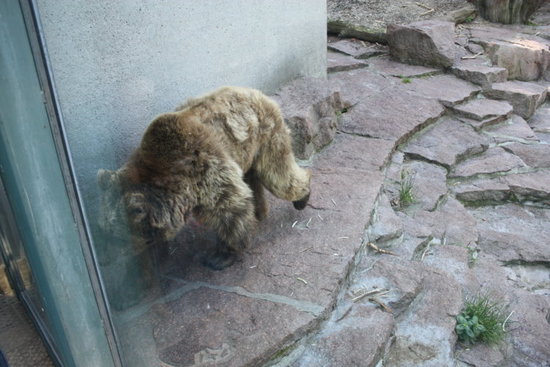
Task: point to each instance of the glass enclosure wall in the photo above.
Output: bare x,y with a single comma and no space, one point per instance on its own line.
37,227
118,64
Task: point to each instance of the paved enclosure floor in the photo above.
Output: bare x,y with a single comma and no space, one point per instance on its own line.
361,277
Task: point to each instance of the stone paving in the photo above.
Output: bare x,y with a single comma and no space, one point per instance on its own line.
361,278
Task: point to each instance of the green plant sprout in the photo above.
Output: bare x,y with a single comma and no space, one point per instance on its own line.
406,196
481,320
470,19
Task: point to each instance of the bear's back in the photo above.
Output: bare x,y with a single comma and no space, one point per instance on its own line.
240,117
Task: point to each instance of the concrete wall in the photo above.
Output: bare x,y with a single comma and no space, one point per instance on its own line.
118,64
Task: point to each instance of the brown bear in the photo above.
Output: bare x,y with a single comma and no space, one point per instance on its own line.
210,158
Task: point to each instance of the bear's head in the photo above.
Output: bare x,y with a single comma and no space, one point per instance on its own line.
137,210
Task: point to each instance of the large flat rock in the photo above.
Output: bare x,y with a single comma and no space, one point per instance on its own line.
479,74
337,61
428,43
513,233
223,328
534,155
447,89
532,187
515,129
523,96
485,110
356,48
380,108
358,339
424,335
540,122
386,66
291,273
493,161
446,142
525,57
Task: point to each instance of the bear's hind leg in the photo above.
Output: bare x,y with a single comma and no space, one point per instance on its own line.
261,206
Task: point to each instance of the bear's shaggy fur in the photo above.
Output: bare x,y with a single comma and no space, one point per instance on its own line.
212,158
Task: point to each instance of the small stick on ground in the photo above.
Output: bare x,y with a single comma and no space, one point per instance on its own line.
381,304
380,250
378,291
424,6
472,56
427,12
424,252
504,323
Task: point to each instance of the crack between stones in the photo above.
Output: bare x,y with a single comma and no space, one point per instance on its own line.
522,262
427,74
418,157
312,308
340,294
454,180
440,202
304,306
407,136
359,135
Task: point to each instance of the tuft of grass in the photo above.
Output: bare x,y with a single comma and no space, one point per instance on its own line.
406,80
470,18
406,196
481,320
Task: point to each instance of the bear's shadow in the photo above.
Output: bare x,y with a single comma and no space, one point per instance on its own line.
185,255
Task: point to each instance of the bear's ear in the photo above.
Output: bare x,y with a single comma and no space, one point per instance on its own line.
106,179
136,207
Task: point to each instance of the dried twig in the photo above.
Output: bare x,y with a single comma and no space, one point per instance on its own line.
472,56
504,323
424,252
362,294
424,6
427,12
301,280
380,250
381,304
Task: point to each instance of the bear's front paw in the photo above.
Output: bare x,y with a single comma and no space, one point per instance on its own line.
301,204
220,259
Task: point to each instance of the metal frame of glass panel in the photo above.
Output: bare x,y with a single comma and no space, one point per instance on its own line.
39,54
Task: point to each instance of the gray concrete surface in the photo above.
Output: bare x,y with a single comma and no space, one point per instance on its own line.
118,64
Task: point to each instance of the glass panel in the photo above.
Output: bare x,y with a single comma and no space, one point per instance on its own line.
118,64
35,195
